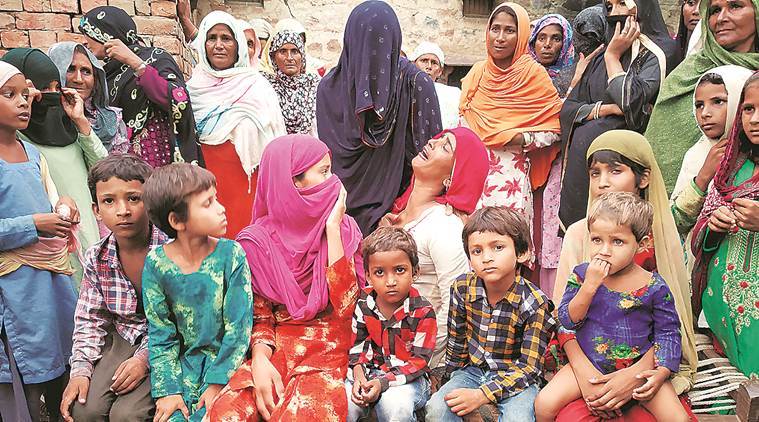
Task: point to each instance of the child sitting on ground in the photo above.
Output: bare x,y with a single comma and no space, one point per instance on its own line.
109,358
499,324
394,330
197,294
619,311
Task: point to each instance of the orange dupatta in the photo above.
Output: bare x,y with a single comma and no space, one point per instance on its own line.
500,103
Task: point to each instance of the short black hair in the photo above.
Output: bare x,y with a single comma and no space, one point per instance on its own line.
711,78
613,158
126,167
168,189
501,220
388,239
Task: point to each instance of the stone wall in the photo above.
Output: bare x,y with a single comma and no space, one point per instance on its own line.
462,38
41,23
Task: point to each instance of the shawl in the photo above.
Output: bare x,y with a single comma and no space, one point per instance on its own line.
288,24
7,71
671,129
734,77
470,170
106,118
297,94
375,111
566,56
105,23
501,103
246,26
722,193
48,124
234,104
47,254
682,33
589,27
668,249
286,243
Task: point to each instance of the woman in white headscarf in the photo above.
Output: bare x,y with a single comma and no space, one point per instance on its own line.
313,65
430,58
236,112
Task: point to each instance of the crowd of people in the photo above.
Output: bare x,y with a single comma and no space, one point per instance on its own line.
272,239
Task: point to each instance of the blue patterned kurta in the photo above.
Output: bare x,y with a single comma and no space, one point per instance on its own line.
37,306
199,324
620,327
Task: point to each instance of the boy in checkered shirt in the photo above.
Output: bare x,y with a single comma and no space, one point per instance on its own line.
499,324
394,330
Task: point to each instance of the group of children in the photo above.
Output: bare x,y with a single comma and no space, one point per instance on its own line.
161,325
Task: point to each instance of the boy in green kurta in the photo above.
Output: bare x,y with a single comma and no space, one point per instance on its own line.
196,292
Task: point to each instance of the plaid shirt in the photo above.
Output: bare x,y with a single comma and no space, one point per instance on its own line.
107,301
399,347
509,338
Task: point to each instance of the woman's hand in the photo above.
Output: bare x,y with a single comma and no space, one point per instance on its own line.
655,378
709,169
266,376
34,93
623,39
166,406
51,225
617,389
583,63
722,220
72,214
747,214
73,105
338,211
116,50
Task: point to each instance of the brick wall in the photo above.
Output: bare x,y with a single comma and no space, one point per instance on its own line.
41,23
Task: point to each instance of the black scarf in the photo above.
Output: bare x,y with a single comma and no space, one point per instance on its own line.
106,23
48,124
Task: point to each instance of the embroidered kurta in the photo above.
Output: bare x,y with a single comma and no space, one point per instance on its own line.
620,327
311,356
36,306
198,323
731,298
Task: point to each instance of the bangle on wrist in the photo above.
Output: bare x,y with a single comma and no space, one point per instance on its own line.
141,68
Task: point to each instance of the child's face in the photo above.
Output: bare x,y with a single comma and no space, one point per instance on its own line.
205,215
616,177
711,109
493,256
316,174
119,206
14,106
390,275
750,113
613,243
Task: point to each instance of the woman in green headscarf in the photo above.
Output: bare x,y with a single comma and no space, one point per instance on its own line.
729,29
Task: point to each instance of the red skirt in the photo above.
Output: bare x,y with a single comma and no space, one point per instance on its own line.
577,411
233,188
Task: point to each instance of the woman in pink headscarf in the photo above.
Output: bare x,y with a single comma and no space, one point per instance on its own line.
449,176
302,250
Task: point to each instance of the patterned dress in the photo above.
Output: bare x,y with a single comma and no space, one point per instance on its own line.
640,319
198,323
311,356
731,298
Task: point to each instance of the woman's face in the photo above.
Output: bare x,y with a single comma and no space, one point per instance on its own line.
733,25
502,39
250,38
548,44
80,75
430,64
14,105
435,161
691,16
750,113
619,8
289,60
221,47
711,109
316,174
616,177
97,48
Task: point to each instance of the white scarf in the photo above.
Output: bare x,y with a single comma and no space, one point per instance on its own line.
236,104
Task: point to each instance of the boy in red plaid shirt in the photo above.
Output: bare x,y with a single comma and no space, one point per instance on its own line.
394,330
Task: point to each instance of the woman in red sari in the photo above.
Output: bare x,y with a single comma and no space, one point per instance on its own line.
302,250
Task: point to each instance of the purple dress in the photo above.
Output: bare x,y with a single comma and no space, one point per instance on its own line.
620,327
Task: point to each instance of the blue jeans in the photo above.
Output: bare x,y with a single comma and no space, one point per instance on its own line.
519,408
397,404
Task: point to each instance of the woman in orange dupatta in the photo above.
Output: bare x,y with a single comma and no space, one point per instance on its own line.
510,102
